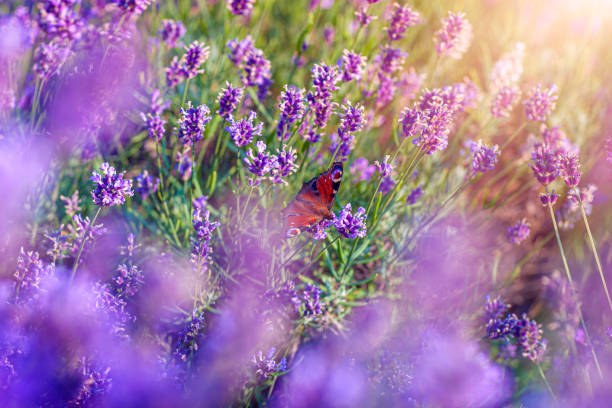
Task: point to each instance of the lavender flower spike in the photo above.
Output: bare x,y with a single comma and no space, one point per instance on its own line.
195,56
540,102
243,131
483,158
353,65
519,232
284,165
351,225
266,366
228,100
403,17
240,7
291,106
111,189
454,38
385,168
171,32
259,162
193,123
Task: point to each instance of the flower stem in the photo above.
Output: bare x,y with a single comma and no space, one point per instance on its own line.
78,257
571,282
594,249
185,91
554,397
513,136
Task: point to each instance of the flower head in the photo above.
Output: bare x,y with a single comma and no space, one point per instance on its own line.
193,123
504,100
390,59
155,125
291,107
259,162
256,69
362,170
29,273
414,195
240,7
363,18
228,100
243,131
195,56
352,66
402,18
110,187
49,59
544,164
352,120
351,225
284,165
311,300
569,165
133,6
519,232
385,168
548,199
145,184
239,49
540,102
72,203
186,343
266,366
58,19
454,38
171,32
483,158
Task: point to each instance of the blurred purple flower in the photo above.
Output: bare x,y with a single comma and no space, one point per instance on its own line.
240,7
266,366
414,195
353,65
507,71
171,32
362,170
504,100
29,273
386,185
351,225
518,232
256,69
95,382
483,158
228,100
384,168
183,163
402,18
174,73
311,301
110,187
540,102
199,202
145,184
243,131
569,166
72,203
544,164
548,199
59,19
193,124
291,107
187,340
195,56
239,50
135,7
363,18
200,245
454,37
49,59
390,59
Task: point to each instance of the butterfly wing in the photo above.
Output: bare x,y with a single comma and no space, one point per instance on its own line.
313,202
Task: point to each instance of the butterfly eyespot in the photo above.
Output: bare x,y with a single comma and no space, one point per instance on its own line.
337,175
293,232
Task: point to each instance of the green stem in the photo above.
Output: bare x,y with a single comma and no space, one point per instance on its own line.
513,136
571,282
318,255
594,249
554,397
185,91
78,257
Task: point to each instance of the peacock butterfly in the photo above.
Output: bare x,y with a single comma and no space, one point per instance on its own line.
313,203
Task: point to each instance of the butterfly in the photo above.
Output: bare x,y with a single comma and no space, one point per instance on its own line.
313,203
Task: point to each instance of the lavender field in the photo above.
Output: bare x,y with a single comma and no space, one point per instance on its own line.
309,203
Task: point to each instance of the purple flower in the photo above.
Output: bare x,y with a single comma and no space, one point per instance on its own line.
519,232
135,7
266,366
200,202
155,125
29,273
352,66
284,164
414,195
174,73
352,120
311,300
544,164
259,162
94,382
386,185
82,230
454,37
529,335
49,59
110,187
363,18
171,32
412,122
324,80
390,59
239,50
402,18
193,123
113,307
58,19
540,102
240,7
319,230
351,225
384,168
494,309
186,342
548,199
72,203
183,163
157,104
569,166
145,184
507,71
128,280
362,170
243,131
256,69
200,245
504,100
436,127
228,100
195,56
291,107
483,158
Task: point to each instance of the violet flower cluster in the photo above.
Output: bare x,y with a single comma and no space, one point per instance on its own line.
403,17
244,130
200,244
254,66
454,37
192,124
228,100
110,187
519,232
189,64
266,365
291,107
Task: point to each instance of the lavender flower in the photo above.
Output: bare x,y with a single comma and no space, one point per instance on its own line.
239,50
414,195
49,59
183,163
72,203
174,73
507,71
29,273
200,245
82,230
454,38
243,131
324,79
311,300
186,343
390,59
193,123
548,199
155,126
266,366
145,184
113,307
240,7
284,164
504,100
384,168
319,230
195,56
363,18
529,335
544,164
128,280
94,382
483,158
351,225
431,126
402,18
519,232
291,107
199,202
157,104
386,185
569,166
171,32
540,102
259,162
228,100
256,69
494,309
136,7
353,65
362,170
110,187
352,120
58,19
